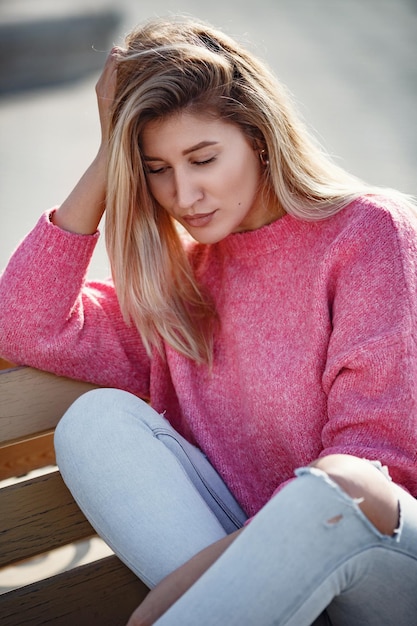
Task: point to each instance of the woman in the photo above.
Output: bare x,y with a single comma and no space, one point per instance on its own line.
277,347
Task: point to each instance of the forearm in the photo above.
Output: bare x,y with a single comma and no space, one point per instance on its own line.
39,289
171,588
83,209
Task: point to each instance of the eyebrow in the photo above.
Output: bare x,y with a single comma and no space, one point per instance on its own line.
198,146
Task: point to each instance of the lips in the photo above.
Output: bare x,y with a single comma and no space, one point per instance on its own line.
199,219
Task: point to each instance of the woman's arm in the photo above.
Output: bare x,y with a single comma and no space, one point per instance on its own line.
370,376
50,317
82,210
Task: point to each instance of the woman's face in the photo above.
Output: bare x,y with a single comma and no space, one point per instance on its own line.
206,174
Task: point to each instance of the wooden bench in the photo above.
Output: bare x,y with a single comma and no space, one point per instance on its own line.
39,514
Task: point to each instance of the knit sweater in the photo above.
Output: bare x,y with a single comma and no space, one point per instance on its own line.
315,352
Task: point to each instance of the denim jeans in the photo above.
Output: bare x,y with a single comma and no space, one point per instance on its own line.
151,495
156,500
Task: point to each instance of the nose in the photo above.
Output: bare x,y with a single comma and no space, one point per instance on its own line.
187,190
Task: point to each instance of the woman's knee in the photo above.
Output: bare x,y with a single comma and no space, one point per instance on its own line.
90,417
362,481
77,416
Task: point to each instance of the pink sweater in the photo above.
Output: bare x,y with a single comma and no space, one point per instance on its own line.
316,353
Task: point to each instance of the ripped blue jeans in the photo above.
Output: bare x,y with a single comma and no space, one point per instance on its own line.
310,556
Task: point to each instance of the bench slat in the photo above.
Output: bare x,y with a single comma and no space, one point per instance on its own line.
105,592
36,516
17,459
39,514
33,401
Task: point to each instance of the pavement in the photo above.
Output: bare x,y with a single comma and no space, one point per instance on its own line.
350,64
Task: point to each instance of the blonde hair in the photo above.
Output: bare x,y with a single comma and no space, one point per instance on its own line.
166,67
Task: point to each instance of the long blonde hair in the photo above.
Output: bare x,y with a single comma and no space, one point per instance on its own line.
168,66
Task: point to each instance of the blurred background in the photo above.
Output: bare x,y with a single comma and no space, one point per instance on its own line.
350,64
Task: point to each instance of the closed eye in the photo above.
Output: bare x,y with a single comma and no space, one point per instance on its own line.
206,162
158,170
162,169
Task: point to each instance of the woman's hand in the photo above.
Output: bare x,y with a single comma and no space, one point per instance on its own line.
171,588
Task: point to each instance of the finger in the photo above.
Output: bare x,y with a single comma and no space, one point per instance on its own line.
110,65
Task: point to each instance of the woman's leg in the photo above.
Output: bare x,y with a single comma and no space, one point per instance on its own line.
313,548
153,497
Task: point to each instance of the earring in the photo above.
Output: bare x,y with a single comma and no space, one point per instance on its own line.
263,155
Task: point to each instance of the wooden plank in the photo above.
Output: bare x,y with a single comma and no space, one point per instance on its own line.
17,459
32,401
4,364
105,592
36,516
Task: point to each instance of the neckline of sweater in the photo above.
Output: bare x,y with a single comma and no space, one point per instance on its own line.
264,239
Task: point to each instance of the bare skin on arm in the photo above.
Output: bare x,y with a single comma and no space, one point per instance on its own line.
82,211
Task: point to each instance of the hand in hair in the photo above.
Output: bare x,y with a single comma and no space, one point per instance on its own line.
105,91
82,210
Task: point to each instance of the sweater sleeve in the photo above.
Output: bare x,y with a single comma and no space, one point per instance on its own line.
370,376
51,318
